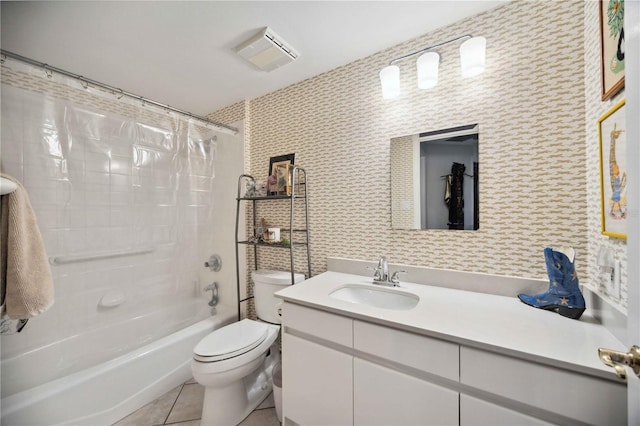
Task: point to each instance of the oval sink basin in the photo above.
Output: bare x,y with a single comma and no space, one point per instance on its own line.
377,297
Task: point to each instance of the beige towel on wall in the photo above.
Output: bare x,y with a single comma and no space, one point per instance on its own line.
25,276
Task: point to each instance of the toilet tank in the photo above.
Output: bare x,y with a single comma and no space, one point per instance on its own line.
266,282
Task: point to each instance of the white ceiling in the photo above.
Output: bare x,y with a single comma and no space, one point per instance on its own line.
180,53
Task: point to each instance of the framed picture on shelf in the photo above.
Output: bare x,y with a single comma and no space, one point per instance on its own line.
613,171
611,47
282,176
274,163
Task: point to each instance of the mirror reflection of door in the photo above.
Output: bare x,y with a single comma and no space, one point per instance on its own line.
434,180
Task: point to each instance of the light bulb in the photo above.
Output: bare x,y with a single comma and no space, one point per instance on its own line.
427,65
390,81
472,56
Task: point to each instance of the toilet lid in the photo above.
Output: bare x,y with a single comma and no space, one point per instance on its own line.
230,341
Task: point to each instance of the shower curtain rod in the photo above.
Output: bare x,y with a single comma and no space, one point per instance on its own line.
116,91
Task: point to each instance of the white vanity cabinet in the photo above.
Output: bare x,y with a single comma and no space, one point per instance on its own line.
339,370
317,379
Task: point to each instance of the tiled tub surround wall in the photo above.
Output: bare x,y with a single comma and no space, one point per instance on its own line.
539,183
104,180
239,115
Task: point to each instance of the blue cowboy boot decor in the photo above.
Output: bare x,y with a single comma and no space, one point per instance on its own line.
564,294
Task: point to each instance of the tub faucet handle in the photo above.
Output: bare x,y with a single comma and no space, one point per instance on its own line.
214,263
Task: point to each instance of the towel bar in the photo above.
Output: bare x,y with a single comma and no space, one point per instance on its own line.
59,260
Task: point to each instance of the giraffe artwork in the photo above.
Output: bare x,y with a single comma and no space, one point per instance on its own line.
613,171
618,181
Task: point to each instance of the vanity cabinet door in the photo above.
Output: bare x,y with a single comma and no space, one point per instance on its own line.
317,383
383,396
475,412
424,353
567,395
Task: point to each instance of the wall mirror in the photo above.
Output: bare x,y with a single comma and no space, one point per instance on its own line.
434,180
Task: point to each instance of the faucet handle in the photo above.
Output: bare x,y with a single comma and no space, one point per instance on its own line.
394,277
377,275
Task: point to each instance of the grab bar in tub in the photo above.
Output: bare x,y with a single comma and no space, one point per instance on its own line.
59,260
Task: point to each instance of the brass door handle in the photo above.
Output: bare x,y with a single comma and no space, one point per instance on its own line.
617,360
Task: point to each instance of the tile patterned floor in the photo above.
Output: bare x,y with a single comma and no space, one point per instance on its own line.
182,406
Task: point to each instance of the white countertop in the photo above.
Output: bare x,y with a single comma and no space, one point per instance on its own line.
486,321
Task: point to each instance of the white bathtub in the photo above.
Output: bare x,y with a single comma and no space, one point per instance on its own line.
103,394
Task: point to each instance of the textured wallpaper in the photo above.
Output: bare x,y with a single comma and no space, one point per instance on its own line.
595,108
402,192
539,182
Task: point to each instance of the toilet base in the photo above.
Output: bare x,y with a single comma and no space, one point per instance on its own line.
231,404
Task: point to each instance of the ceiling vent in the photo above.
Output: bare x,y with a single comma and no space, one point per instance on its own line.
267,51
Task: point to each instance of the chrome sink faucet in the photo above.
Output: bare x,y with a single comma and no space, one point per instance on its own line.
381,274
383,267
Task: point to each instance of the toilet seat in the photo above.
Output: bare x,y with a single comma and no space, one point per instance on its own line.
231,341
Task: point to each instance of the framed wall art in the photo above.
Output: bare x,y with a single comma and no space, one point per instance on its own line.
613,171
612,47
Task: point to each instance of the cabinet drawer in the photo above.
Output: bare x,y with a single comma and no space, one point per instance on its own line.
383,397
323,325
572,395
413,350
475,412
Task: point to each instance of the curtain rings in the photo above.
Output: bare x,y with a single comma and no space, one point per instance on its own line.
3,58
47,71
83,82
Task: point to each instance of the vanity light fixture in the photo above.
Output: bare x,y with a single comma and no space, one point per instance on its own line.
472,59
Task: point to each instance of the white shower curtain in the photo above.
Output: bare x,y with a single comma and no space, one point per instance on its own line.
104,182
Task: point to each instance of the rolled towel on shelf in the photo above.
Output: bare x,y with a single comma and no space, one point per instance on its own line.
26,284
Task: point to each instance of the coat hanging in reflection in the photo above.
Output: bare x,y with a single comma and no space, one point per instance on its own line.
454,197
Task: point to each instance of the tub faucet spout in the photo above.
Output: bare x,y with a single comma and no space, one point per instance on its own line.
214,293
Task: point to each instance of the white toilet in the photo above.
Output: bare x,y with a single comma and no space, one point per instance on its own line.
234,363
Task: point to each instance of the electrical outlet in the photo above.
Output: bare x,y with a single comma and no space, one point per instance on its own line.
607,275
606,263
615,282
612,280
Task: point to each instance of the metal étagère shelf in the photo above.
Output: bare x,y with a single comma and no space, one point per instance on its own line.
298,200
